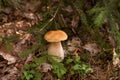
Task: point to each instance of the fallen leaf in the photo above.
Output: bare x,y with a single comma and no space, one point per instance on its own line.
112,41
11,59
75,21
69,9
29,15
71,48
12,74
31,6
74,43
116,60
18,48
29,58
45,67
91,47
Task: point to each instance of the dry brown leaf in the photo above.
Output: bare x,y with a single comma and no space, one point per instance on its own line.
112,41
45,67
12,74
75,21
5,19
11,59
31,5
22,25
10,32
71,48
29,58
2,34
91,47
18,48
69,9
74,43
116,60
29,15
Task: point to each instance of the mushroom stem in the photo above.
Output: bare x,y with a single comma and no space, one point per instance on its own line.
56,49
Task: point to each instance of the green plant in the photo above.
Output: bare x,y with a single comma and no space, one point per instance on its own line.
59,69
30,72
74,65
107,12
78,66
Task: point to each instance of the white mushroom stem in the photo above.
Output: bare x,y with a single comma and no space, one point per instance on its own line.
56,49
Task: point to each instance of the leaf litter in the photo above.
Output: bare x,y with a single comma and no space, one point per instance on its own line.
11,64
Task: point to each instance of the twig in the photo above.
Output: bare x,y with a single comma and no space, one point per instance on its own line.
50,19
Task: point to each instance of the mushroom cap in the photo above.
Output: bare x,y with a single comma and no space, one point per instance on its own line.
55,36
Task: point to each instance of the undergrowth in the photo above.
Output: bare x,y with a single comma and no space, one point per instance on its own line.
69,66
93,15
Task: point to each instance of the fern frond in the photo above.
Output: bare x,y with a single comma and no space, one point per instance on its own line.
81,13
100,19
95,10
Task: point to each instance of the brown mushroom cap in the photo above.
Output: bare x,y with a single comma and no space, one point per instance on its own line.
55,36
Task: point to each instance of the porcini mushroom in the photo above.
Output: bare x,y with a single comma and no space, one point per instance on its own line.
55,48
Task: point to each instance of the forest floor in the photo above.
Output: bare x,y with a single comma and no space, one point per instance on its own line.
15,39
